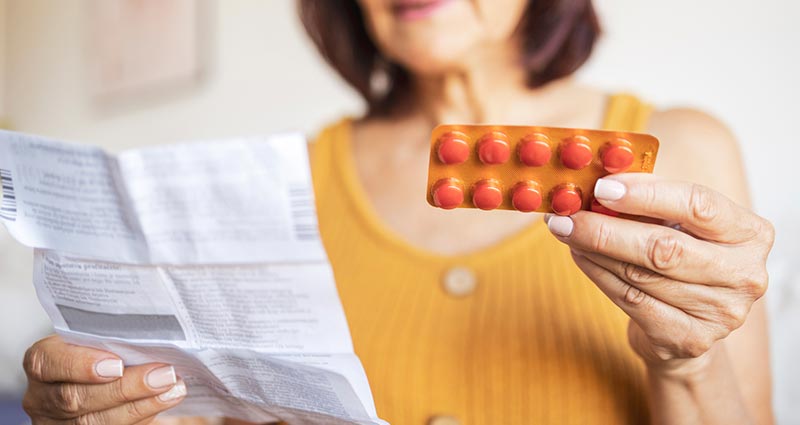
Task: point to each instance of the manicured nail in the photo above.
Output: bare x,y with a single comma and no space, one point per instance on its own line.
560,225
109,368
609,190
176,392
161,377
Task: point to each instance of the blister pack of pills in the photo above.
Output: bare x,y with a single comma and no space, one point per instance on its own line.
528,168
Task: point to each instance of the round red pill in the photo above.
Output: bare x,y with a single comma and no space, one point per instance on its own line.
576,152
448,193
599,208
453,148
534,150
566,200
487,195
526,196
493,148
617,156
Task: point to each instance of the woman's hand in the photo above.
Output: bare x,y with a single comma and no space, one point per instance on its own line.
686,284
69,384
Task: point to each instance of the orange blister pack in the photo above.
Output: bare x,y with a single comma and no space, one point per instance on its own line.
528,168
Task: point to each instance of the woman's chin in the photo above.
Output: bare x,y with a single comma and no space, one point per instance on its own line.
431,58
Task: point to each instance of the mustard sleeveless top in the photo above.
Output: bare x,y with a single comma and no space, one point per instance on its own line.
534,342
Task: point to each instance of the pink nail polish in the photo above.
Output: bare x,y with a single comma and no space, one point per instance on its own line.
109,368
161,377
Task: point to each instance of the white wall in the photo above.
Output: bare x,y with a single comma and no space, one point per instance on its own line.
261,77
2,54
735,58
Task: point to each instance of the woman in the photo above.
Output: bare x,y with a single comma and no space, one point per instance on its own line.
472,317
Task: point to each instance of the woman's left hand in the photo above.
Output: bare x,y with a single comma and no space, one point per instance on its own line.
685,284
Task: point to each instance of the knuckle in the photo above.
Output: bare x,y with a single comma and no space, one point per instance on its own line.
94,418
663,354
635,296
755,282
696,347
90,419
33,362
135,410
68,399
649,193
766,231
702,206
639,275
664,251
118,392
601,237
30,403
733,316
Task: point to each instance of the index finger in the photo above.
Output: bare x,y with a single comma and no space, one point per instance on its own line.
702,211
53,360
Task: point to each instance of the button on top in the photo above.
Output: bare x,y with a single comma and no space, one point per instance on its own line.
459,281
443,420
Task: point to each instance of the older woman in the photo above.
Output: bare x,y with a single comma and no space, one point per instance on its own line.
473,317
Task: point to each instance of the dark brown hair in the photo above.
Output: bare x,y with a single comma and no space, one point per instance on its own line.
557,37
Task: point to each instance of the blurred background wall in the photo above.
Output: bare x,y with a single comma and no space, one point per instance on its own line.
737,59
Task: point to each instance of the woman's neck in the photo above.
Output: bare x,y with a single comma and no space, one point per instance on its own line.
489,86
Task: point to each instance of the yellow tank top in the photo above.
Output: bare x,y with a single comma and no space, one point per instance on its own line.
534,342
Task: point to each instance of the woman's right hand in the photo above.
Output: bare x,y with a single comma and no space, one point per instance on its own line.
70,384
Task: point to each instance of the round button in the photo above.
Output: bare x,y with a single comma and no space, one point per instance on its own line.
448,194
566,201
526,196
617,156
599,208
487,195
453,148
576,152
443,420
534,150
459,281
493,148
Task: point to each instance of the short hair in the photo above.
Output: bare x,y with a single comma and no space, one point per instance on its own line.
557,37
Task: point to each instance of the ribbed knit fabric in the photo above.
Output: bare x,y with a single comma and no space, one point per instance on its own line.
535,343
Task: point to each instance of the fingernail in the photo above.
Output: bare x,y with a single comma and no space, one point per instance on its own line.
161,377
560,225
176,392
547,217
609,190
109,368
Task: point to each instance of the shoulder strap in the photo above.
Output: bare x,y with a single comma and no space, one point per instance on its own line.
627,113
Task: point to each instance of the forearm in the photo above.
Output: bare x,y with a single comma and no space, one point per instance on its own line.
701,391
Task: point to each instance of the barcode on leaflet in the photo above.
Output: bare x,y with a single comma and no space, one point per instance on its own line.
301,203
8,208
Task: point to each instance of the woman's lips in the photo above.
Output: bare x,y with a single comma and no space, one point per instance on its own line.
410,10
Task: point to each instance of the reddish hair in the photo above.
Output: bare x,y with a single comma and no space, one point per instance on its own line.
557,37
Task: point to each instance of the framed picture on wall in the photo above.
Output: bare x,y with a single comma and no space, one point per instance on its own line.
140,46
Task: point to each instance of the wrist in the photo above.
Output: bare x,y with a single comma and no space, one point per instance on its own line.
688,370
